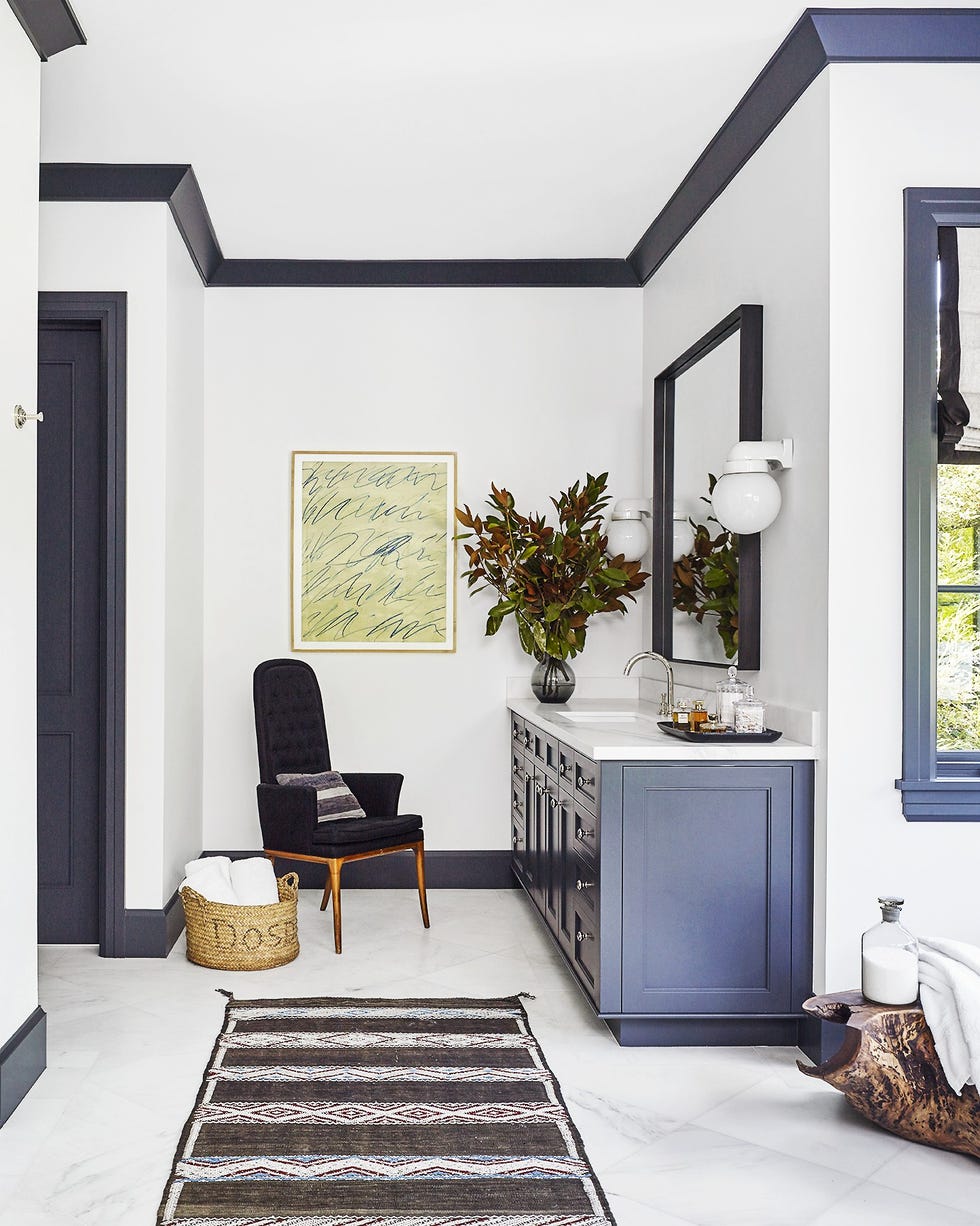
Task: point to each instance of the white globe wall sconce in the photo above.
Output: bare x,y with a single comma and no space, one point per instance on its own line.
746,497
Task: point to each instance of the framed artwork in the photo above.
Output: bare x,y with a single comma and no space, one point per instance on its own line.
373,554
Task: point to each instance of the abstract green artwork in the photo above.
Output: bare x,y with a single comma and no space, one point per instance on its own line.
373,555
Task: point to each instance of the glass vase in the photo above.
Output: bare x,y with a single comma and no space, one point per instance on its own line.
552,680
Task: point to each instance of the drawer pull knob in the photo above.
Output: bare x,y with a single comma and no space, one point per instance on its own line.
582,782
583,885
527,738
517,840
585,832
563,769
583,936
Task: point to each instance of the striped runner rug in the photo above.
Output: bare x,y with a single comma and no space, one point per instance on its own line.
354,1112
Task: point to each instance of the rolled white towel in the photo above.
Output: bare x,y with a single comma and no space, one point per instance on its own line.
254,882
949,988
208,864
211,880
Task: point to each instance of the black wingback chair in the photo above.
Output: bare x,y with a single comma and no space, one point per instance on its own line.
292,739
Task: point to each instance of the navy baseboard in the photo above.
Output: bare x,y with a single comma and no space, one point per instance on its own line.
23,1058
152,933
706,1031
444,870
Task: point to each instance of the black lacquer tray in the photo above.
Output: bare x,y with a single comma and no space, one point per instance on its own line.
720,738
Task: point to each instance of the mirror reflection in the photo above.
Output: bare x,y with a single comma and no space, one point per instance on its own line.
706,605
705,556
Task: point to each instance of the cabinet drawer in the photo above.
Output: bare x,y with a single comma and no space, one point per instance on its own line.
585,953
586,779
544,749
520,732
518,799
583,885
585,830
566,765
517,764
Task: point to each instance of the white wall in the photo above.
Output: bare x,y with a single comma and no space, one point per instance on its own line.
129,247
530,387
892,126
183,668
765,240
19,106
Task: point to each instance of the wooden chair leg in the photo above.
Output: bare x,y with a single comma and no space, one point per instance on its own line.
326,894
420,874
334,887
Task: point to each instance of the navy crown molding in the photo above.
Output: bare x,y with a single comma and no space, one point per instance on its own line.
582,274
819,38
23,1058
176,186
49,24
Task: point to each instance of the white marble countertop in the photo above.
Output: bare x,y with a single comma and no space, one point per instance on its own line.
625,728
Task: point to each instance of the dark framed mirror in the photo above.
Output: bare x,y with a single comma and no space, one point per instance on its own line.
706,581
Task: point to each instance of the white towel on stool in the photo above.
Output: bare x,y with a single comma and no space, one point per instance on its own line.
211,878
949,988
254,881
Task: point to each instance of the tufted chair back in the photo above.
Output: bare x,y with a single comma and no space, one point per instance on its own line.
289,727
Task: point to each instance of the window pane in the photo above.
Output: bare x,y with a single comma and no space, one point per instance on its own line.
958,524
958,672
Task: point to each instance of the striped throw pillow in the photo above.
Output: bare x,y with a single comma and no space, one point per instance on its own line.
334,799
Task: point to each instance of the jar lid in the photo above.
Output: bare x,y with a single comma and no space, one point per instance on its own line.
732,685
699,706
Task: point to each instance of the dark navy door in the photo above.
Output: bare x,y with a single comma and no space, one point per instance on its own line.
69,574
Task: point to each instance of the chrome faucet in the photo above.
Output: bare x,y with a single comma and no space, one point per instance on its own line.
666,700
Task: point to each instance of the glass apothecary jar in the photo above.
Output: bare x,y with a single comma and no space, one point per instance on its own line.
890,958
750,715
727,694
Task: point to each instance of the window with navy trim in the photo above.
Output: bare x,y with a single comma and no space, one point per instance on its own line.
941,670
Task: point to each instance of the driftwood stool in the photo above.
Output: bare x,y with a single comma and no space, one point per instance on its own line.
889,1072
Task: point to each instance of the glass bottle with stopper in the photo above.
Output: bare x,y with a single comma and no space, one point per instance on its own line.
727,694
890,958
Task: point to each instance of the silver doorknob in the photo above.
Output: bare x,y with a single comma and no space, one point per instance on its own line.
583,885
583,936
21,416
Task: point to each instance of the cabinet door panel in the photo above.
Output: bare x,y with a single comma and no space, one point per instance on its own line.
707,908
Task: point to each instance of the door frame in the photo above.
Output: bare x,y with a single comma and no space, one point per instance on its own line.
108,312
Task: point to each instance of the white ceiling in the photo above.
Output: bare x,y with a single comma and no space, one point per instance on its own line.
436,129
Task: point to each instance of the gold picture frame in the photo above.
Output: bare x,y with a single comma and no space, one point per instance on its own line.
373,551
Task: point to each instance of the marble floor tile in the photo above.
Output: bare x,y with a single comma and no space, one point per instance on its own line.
949,1179
873,1205
677,1136
714,1180
810,1120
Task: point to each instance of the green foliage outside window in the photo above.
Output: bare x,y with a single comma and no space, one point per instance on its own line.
958,613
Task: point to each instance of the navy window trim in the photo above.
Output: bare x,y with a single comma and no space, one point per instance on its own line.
935,787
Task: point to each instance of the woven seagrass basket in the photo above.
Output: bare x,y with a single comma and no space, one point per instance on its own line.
231,938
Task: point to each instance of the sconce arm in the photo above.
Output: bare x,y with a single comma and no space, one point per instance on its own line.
760,456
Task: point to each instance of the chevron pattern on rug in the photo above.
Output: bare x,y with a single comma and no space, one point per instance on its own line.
348,1112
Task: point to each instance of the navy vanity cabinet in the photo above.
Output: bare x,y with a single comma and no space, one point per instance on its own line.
715,885
679,891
